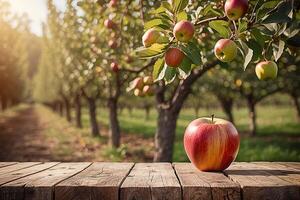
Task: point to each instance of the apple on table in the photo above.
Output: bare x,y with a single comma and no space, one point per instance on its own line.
211,144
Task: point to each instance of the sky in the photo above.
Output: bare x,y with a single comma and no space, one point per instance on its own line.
36,10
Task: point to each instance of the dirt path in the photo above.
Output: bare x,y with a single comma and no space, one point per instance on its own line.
20,137
35,133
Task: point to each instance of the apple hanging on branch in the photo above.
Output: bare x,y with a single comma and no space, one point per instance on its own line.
255,30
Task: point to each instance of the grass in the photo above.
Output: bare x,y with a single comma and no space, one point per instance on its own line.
278,135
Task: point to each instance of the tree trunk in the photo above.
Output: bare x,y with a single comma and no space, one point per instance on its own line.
114,122
78,111
297,105
129,110
168,111
3,103
93,116
61,108
147,112
227,105
68,109
252,115
165,135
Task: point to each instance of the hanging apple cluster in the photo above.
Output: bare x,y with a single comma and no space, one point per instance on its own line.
142,86
172,37
112,42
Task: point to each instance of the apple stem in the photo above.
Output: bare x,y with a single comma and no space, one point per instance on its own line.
212,117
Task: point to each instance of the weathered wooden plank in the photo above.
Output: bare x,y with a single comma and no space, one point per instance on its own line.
98,181
5,164
295,165
18,166
197,185
11,176
257,183
281,171
41,185
6,193
155,181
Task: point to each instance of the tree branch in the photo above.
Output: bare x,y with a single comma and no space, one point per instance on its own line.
209,20
184,87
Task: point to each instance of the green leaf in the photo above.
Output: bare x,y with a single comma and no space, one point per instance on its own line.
247,53
278,50
242,26
179,5
210,8
257,49
192,52
221,26
185,68
157,22
167,6
170,74
281,14
182,16
160,9
259,37
157,69
152,51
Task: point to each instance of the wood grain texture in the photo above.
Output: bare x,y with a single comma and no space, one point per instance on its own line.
13,175
259,184
98,181
10,192
4,164
281,171
153,181
40,186
197,185
18,166
295,165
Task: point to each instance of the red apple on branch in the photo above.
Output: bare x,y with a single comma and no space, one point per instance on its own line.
266,70
112,44
174,57
211,144
225,50
108,23
138,83
236,9
184,31
113,3
148,90
150,37
148,80
114,66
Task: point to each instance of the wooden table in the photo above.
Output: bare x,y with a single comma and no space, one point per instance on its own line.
143,181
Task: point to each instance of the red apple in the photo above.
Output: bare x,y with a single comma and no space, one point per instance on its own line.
138,93
148,90
150,37
211,144
128,59
148,80
266,70
113,3
174,57
138,83
114,66
112,44
236,9
184,31
225,50
108,23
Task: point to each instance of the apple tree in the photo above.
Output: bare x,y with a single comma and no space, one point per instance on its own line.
187,38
